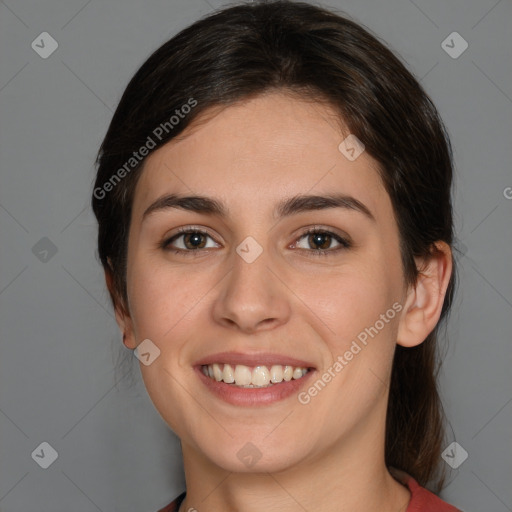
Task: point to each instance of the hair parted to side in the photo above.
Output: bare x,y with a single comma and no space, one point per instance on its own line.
294,47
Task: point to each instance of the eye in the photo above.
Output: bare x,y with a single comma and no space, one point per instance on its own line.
323,238
190,240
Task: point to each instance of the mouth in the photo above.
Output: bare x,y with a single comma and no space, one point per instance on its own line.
260,376
252,380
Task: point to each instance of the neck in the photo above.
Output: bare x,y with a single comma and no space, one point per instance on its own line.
350,475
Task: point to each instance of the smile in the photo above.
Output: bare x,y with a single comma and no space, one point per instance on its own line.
259,376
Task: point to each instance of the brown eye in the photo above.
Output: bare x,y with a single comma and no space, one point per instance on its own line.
323,240
187,241
194,240
319,242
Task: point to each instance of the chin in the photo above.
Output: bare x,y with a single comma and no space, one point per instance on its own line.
251,457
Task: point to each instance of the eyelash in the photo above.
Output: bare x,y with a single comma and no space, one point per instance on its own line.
344,243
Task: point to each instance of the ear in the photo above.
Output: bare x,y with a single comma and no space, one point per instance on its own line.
123,318
425,298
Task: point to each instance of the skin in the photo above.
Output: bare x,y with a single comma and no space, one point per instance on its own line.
329,454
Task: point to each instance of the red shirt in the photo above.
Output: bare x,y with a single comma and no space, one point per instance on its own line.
422,500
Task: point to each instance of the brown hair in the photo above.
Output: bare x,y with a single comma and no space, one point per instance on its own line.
248,49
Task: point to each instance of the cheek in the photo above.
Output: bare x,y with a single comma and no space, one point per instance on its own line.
163,297
349,302
148,300
162,304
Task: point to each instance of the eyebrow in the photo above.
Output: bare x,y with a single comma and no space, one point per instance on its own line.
291,206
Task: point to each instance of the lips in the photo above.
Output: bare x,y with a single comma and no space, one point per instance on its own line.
252,360
249,396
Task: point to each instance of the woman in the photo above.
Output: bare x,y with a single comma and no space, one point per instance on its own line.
275,225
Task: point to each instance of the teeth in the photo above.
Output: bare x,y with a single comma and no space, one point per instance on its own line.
259,376
217,372
288,373
297,373
242,375
276,373
228,375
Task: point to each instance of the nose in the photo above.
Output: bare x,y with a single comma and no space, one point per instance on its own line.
252,297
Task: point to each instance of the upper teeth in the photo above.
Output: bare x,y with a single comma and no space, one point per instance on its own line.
260,375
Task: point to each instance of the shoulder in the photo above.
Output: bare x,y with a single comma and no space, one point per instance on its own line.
422,500
174,505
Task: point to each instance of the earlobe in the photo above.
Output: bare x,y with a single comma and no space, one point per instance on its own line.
425,298
124,322
122,315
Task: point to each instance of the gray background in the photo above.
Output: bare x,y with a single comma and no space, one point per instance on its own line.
65,377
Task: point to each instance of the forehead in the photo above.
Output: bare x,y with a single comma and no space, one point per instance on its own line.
253,153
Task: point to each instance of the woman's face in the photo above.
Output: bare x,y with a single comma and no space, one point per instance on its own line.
257,292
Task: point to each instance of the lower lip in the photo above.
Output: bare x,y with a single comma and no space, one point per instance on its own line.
254,396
